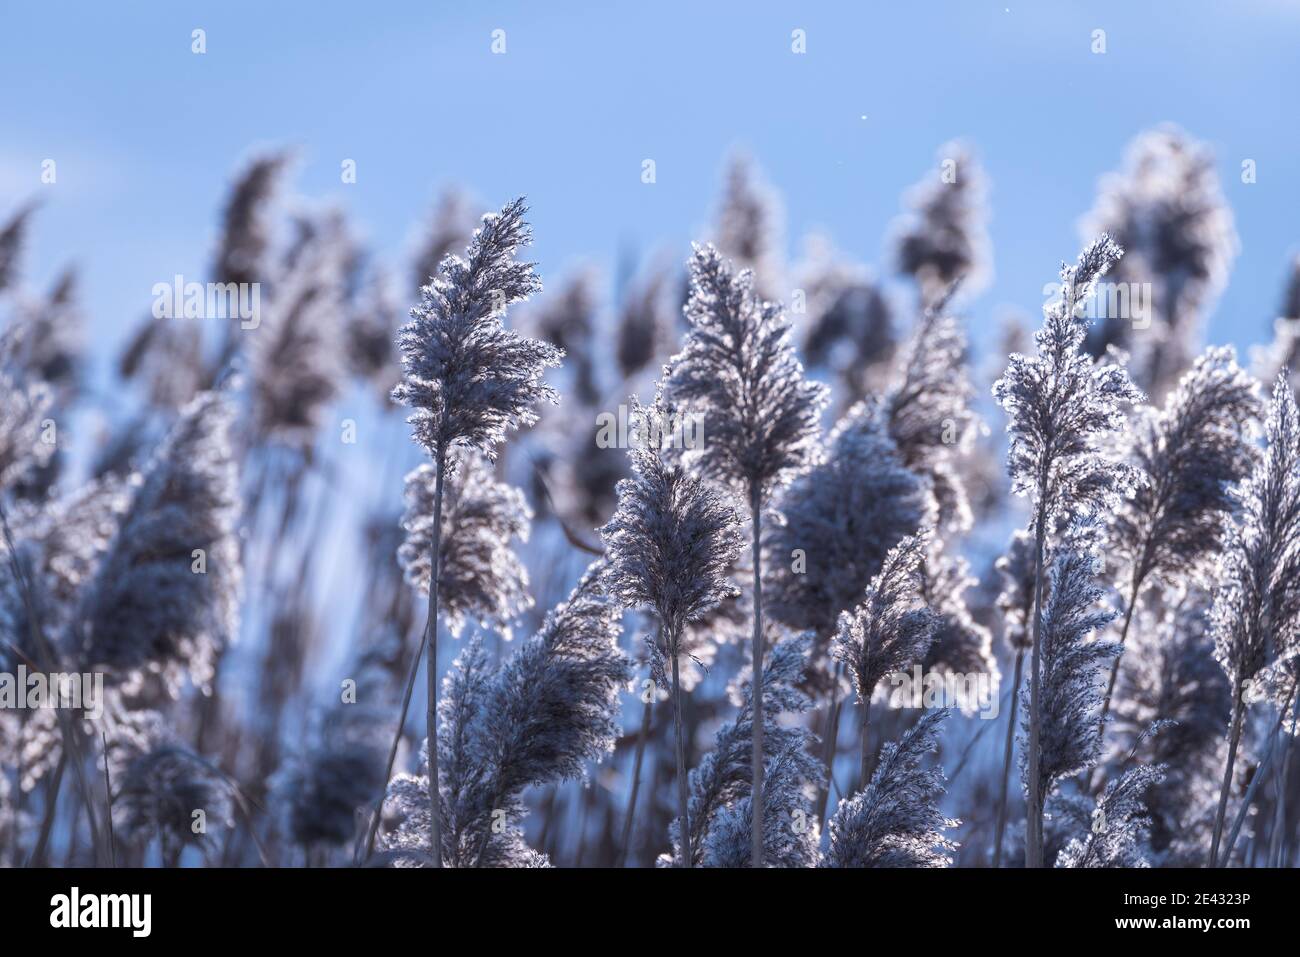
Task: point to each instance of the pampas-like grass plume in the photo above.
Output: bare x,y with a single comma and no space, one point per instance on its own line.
944,238
930,411
895,821
851,327
246,231
297,351
1189,455
645,324
24,406
568,320
551,707
1169,213
844,515
1257,606
669,544
158,793
961,645
469,379
890,630
761,416
480,577
740,370
12,237
60,545
1015,602
1061,407
1118,826
748,228
1061,403
1170,675
1072,658
165,596
721,806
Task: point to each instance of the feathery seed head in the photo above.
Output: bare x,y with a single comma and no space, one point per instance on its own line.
1072,662
147,606
1257,606
720,807
1062,405
1189,455
945,238
467,377
671,540
481,577
895,821
891,628
739,369
843,515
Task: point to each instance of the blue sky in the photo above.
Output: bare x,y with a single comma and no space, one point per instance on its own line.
146,134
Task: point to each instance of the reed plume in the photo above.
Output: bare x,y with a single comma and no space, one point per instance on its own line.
895,821
761,416
670,544
468,380
1256,616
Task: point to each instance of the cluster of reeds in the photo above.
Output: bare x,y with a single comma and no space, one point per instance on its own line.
643,651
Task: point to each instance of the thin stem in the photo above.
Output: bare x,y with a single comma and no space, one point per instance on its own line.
756,510
1006,760
625,841
829,744
397,740
682,796
431,663
1034,817
1233,740
967,751
1279,815
51,807
108,795
1261,772
864,759
1114,668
